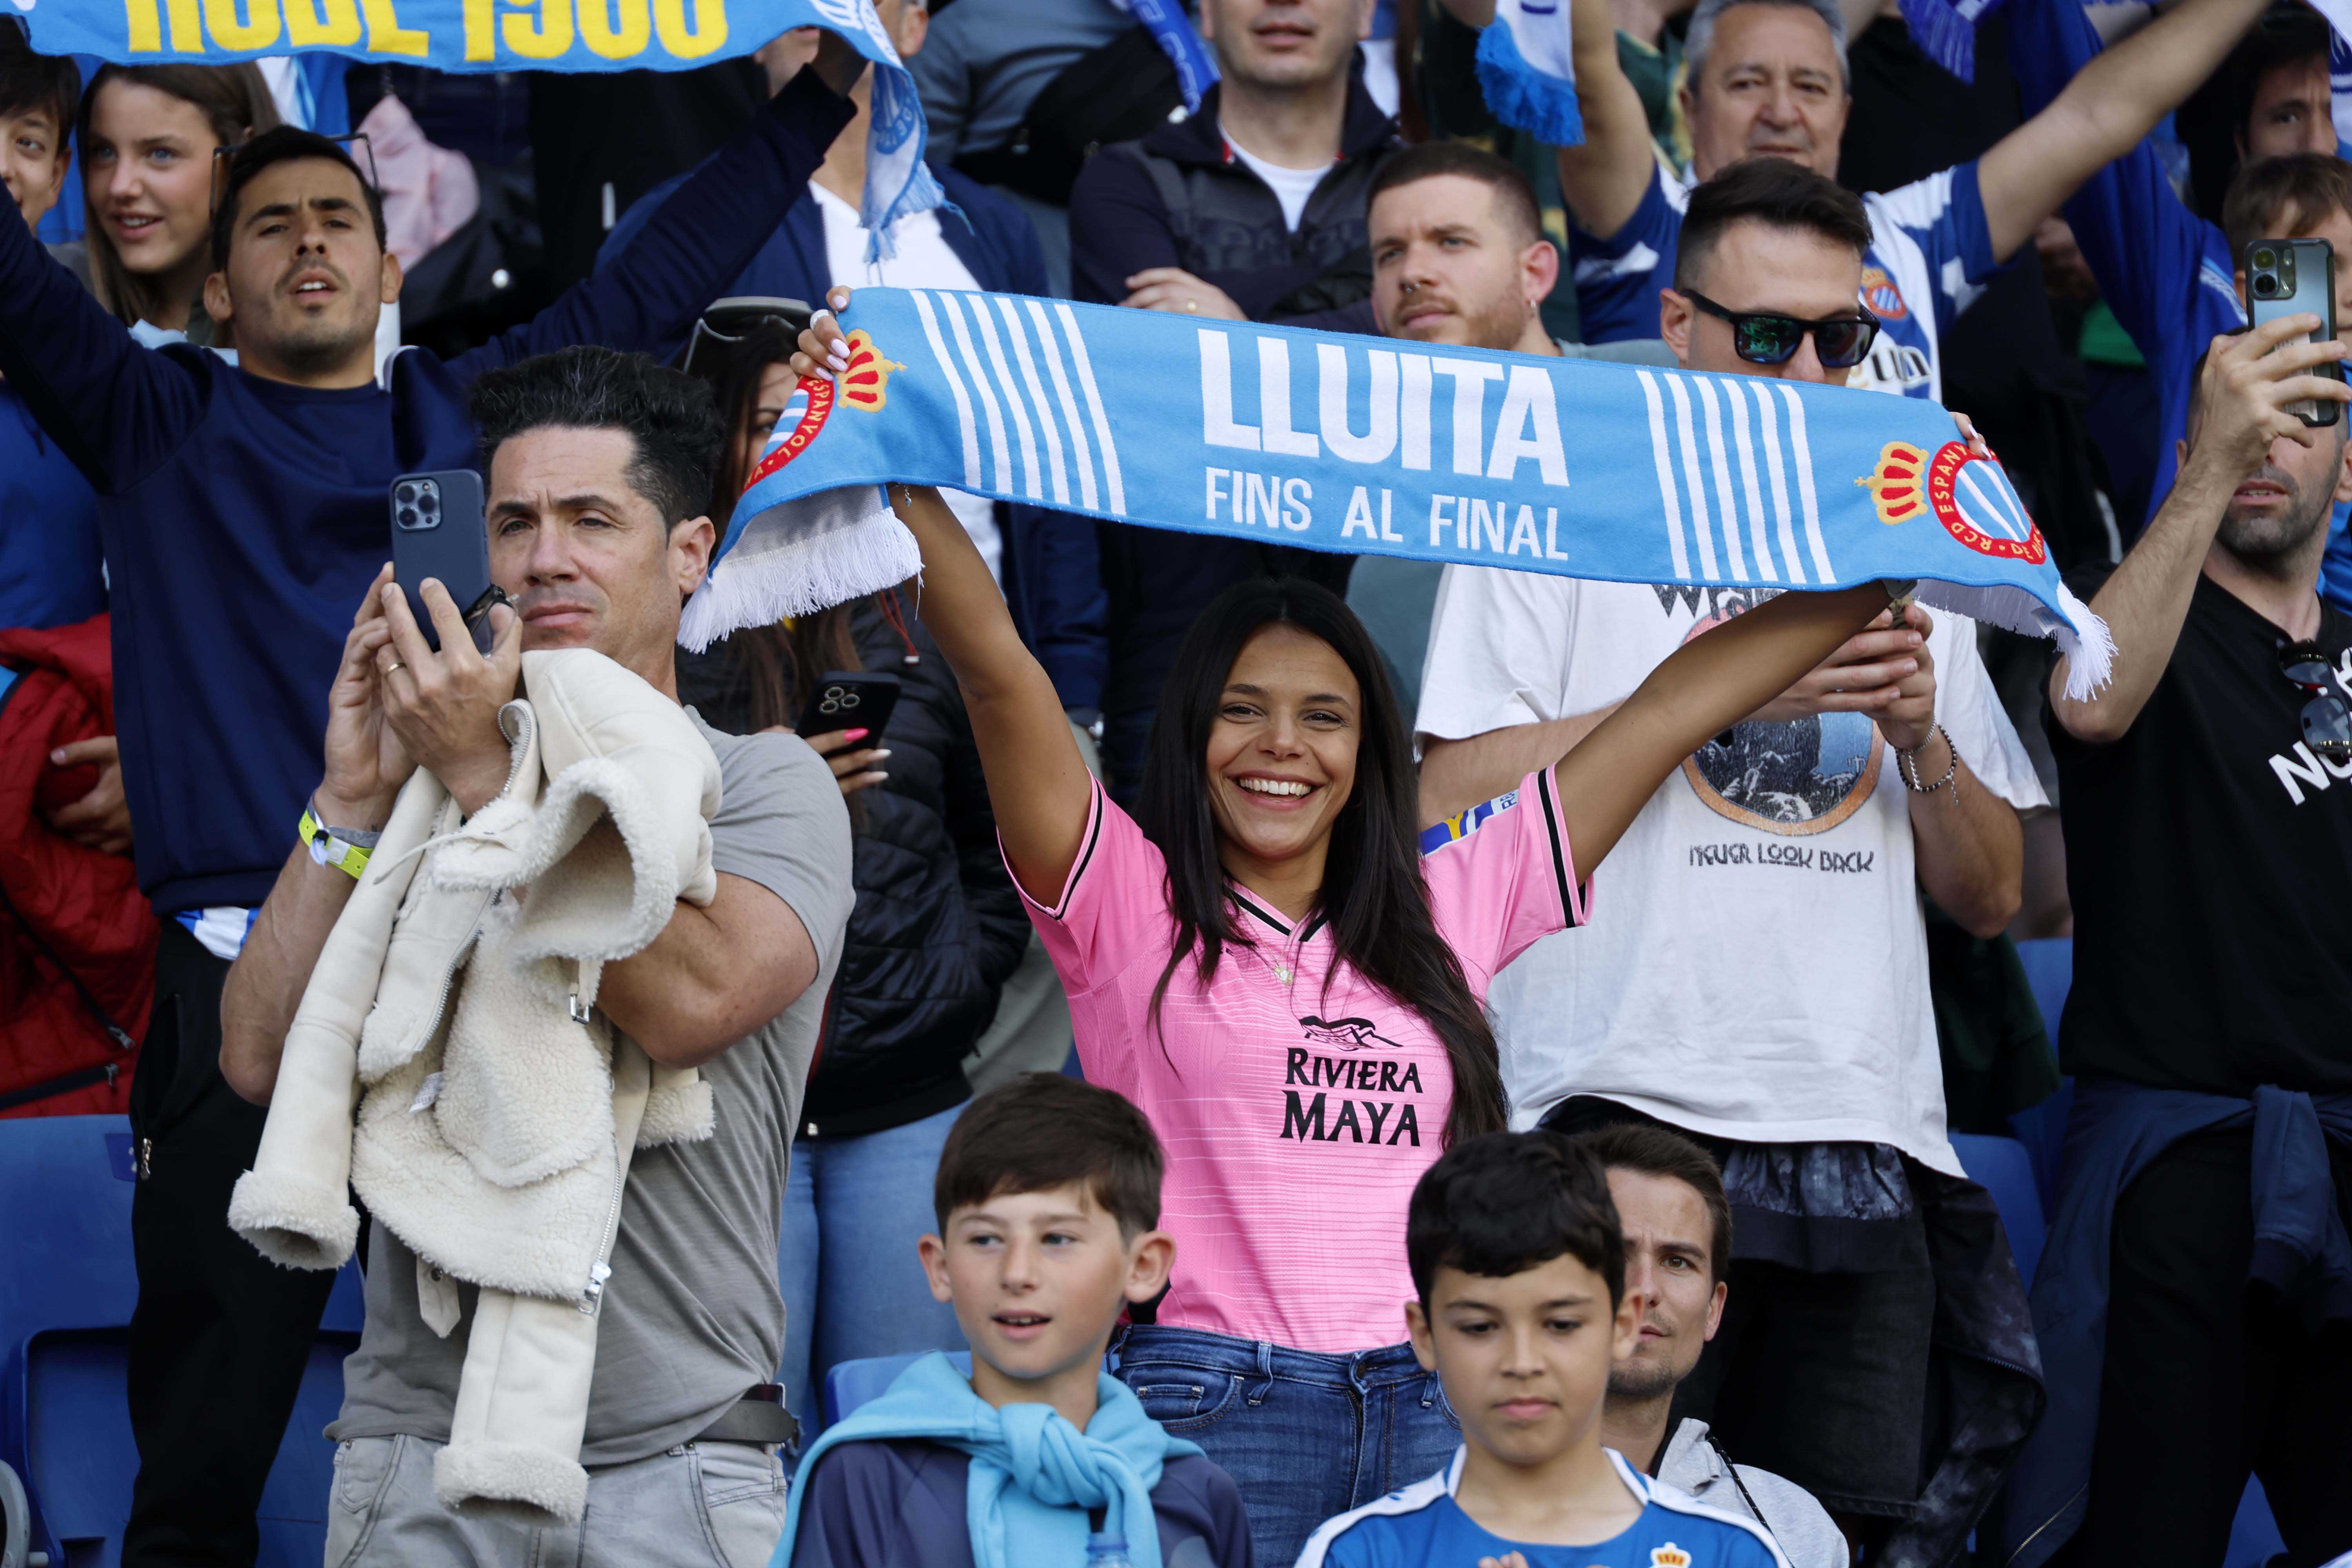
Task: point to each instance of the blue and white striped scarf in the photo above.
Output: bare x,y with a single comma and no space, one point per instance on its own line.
1526,70
1372,446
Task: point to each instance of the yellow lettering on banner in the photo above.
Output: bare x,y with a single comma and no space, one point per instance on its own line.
339,27
187,30
387,37
482,40
546,41
622,40
258,30
709,27
143,27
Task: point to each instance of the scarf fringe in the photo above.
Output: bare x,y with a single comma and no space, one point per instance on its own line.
800,558
2082,637
1522,96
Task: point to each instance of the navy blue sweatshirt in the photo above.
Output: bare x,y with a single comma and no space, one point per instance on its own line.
243,519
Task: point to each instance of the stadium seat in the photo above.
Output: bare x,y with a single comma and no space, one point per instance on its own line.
67,1289
850,1384
2002,1167
2049,969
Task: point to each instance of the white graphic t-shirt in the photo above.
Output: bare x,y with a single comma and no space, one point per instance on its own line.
1755,967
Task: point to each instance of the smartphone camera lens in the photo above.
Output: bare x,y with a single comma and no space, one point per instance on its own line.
2266,258
404,494
2266,285
408,516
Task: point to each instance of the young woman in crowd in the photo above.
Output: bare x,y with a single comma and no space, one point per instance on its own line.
936,930
1288,980
147,135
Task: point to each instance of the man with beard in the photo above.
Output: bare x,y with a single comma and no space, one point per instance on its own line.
1677,1229
1761,979
244,508
2208,835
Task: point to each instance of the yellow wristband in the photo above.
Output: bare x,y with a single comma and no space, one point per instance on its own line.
329,850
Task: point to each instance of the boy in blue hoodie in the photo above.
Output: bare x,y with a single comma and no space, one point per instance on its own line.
1047,1197
1520,1265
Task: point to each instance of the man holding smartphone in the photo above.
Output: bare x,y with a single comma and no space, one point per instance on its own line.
243,509
2207,793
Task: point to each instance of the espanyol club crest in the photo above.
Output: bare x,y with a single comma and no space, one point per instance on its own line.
865,386
1880,294
1669,1556
1970,496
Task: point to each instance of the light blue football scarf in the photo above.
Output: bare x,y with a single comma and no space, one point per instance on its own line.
1526,70
1180,40
568,35
1371,445
1034,1476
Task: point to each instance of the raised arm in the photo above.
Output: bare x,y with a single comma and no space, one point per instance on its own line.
699,241
2111,104
113,408
2243,393
1604,179
1709,684
1036,781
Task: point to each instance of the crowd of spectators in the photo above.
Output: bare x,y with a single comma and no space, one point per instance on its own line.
1474,1054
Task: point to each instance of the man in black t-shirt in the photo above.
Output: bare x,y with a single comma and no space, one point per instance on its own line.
2207,797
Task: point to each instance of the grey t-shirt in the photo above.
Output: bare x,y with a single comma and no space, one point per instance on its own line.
691,1315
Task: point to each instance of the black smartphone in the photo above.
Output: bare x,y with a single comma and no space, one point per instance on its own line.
849,699
437,531
2287,278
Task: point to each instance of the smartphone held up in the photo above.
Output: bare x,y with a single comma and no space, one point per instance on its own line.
438,530
2293,278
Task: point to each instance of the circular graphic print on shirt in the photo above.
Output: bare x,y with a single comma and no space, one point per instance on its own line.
1793,777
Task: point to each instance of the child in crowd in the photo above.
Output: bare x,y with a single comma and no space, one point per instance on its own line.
1048,1194
1520,1266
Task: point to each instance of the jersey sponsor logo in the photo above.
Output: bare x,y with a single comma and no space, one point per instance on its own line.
1345,1034
1465,823
1881,297
1793,777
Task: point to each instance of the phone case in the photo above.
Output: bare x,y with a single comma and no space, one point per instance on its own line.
437,531
844,700
2291,277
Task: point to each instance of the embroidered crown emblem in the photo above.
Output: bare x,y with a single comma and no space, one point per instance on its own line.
866,384
1669,1556
1895,485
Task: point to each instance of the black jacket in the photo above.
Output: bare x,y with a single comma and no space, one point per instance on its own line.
1178,197
936,927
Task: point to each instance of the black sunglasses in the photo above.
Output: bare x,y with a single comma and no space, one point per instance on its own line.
1767,337
354,144
2327,718
731,321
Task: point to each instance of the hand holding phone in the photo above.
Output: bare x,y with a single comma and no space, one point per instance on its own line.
2290,277
438,530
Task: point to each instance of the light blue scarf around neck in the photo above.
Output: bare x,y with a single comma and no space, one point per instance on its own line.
1034,1476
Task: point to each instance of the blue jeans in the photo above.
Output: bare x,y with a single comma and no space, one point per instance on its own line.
846,1258
1305,1437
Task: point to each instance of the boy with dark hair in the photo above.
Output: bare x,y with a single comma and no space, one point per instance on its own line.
38,93
1047,1196
1520,1268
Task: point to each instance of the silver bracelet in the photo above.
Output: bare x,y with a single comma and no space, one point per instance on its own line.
1906,762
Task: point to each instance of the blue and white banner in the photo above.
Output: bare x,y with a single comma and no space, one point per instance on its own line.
1372,446
1526,70
513,35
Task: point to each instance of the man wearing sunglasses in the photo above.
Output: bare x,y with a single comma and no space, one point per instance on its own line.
2207,795
1768,77
1761,979
244,510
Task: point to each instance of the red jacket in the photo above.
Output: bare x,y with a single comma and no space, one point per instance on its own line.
77,937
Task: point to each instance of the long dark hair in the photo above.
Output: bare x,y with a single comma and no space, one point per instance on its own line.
1372,896
781,661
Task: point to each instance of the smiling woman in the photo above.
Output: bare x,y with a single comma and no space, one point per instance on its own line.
1290,981
147,135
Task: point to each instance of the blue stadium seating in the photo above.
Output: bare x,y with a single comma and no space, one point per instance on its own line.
2002,1167
850,1384
67,1289
2049,969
